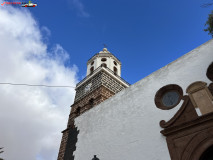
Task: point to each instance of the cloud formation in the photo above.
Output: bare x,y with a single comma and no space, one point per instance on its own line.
80,8
32,117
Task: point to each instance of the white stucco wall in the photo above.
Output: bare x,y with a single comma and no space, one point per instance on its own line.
126,126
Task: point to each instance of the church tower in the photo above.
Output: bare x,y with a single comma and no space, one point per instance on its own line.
102,81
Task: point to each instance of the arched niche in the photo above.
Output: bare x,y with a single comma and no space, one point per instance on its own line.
208,154
199,147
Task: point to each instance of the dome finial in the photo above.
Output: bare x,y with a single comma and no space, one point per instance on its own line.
104,49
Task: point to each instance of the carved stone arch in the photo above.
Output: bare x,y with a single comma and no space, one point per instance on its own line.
204,145
197,146
104,65
91,69
189,136
207,154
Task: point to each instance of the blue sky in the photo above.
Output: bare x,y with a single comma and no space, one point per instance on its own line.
144,35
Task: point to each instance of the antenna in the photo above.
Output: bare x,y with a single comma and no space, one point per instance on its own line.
105,46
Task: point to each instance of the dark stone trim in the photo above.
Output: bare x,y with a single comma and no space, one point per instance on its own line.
65,130
211,88
165,124
187,134
71,144
209,72
188,125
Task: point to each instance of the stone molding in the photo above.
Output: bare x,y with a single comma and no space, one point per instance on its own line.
188,135
101,78
200,96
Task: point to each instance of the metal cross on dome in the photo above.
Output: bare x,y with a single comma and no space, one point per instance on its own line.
105,46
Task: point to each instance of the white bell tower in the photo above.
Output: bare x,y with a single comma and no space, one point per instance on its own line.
102,81
104,59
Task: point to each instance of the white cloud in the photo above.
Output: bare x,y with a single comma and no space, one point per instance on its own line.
31,117
46,30
80,8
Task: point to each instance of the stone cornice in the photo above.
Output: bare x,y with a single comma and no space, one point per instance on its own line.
196,122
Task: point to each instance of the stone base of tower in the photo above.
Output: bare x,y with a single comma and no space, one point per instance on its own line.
63,144
67,146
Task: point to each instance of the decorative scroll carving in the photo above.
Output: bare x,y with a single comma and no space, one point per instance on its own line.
185,113
165,124
188,135
196,146
189,140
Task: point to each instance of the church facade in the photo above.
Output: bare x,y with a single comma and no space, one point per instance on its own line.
167,115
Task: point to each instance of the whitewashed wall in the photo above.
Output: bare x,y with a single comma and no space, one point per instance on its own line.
126,126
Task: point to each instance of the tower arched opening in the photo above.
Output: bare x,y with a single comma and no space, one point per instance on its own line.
91,70
104,65
115,70
103,59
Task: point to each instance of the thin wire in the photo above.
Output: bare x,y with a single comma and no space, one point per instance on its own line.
34,85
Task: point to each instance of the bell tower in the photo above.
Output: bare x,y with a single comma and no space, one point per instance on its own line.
106,59
102,81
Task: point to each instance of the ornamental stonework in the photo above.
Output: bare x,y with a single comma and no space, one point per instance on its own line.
189,136
101,78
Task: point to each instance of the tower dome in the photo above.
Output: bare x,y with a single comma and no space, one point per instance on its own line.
104,59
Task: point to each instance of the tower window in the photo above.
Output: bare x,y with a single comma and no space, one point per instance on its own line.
115,63
91,102
103,59
92,63
78,111
115,70
104,65
91,70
